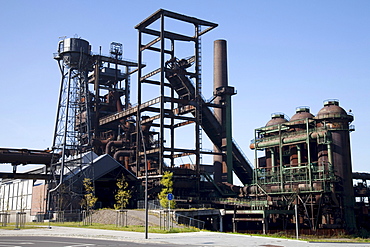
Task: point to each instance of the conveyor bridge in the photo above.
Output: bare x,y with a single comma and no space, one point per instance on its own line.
184,87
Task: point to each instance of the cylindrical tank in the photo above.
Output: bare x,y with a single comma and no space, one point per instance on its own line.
301,113
298,152
74,51
294,156
336,120
219,80
272,157
337,152
333,115
276,118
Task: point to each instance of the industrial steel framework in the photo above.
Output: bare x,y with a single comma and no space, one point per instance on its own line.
306,163
91,88
186,103
91,116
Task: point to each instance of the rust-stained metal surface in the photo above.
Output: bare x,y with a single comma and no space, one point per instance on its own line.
25,156
306,160
307,163
5,175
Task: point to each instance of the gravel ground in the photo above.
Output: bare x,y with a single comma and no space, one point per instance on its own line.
134,217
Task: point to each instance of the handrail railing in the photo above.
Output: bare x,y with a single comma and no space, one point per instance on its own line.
243,154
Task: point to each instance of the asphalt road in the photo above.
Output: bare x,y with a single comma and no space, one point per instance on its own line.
42,241
78,237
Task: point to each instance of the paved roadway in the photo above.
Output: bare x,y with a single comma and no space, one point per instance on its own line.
78,237
42,241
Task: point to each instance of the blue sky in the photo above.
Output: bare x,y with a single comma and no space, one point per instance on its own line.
282,54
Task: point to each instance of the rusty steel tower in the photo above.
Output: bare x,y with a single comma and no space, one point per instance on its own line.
92,87
72,134
74,59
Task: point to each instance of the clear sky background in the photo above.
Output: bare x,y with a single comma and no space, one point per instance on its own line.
282,54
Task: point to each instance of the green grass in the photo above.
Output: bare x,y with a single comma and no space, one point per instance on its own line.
313,238
131,228
340,238
12,227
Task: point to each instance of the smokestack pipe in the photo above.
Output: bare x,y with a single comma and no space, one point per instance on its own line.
220,64
220,79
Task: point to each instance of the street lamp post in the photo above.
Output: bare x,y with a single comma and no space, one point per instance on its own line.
146,180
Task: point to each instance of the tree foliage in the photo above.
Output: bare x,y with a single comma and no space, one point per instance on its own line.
89,199
123,194
167,187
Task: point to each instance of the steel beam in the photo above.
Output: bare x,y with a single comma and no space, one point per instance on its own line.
5,175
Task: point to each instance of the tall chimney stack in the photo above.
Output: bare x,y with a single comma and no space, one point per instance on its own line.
220,79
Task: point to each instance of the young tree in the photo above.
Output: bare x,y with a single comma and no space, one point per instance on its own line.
89,198
167,184
123,193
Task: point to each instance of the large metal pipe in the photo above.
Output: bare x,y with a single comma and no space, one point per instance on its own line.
124,153
112,143
219,80
287,140
25,156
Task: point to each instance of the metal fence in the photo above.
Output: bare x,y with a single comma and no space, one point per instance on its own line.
4,218
87,217
152,205
121,218
188,221
167,221
62,216
20,220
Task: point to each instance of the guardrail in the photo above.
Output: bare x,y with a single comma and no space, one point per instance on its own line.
243,154
178,218
188,221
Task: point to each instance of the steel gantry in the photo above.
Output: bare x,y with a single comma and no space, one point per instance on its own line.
163,42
